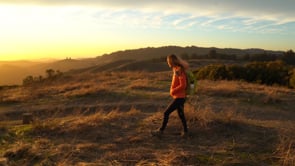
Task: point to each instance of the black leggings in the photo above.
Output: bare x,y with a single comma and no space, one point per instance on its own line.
179,105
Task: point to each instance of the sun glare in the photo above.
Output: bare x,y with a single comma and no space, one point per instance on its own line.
31,32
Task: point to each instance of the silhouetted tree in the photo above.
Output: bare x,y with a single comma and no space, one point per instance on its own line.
50,73
28,80
292,78
289,57
58,73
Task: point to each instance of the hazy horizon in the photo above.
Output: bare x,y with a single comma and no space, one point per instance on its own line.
33,30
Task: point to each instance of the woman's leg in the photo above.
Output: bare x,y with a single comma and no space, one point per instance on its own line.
180,110
172,106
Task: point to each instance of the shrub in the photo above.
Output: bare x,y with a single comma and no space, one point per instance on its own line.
51,75
292,78
269,73
28,80
212,72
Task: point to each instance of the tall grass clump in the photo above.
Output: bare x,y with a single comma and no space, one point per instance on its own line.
203,117
286,147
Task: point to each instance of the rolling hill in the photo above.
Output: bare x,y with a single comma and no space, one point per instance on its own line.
155,53
13,73
101,112
105,118
145,59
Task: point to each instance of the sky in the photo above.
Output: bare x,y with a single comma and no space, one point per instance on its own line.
42,29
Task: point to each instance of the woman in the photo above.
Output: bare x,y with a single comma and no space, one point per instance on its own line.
177,91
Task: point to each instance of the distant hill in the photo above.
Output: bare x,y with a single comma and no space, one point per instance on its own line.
15,71
153,59
152,52
136,59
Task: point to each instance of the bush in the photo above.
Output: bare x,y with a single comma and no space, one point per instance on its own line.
269,73
51,75
28,80
292,78
212,72
235,72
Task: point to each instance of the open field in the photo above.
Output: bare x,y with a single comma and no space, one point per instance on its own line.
106,118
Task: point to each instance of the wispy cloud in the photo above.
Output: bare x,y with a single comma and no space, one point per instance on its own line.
231,15
250,8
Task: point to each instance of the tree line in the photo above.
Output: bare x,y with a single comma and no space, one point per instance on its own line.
288,57
50,75
269,73
265,68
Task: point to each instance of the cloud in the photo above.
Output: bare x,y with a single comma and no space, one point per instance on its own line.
243,15
283,8
268,9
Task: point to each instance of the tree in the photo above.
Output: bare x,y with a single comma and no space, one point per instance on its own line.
28,80
292,78
50,73
289,57
58,73
269,73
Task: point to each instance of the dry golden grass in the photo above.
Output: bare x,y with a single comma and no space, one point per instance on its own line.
106,119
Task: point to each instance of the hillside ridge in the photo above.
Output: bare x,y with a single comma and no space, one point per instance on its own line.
14,72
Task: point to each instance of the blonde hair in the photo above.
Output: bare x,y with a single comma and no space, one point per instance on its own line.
178,61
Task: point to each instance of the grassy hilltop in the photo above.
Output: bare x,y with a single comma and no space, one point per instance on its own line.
105,118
